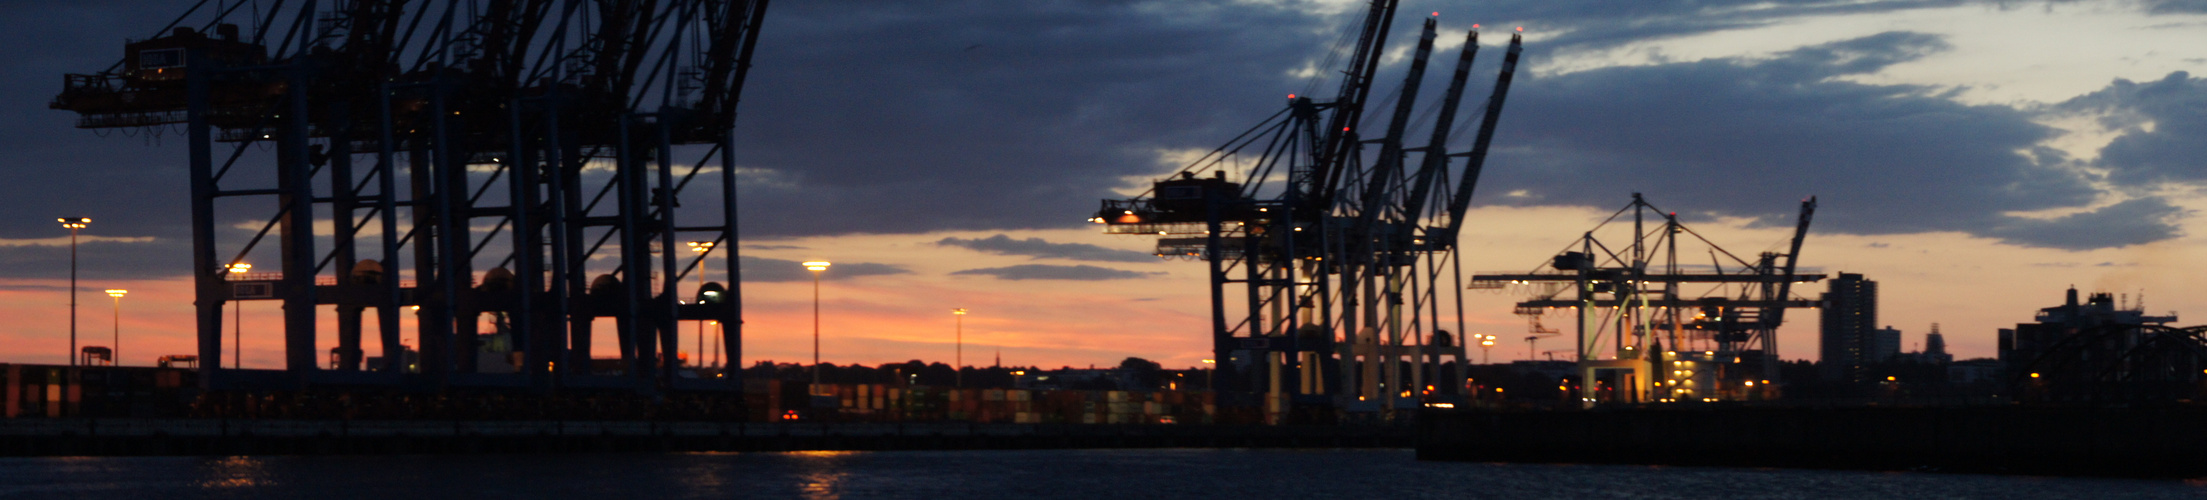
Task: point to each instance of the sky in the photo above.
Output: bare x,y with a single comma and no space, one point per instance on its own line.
1974,157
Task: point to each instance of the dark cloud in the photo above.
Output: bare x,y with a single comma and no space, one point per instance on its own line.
764,270
129,184
1750,138
2132,222
2177,6
1038,248
887,118
1050,272
903,117
1600,23
891,116
2162,123
99,260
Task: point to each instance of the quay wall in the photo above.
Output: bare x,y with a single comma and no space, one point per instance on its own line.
2147,442
127,436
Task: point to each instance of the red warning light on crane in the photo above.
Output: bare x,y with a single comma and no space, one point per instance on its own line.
1474,25
1291,96
1436,14
1520,29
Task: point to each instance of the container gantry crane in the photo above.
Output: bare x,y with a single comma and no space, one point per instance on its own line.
1334,271
1643,334
453,151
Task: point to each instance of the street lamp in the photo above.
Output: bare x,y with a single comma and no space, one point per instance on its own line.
74,224
701,247
816,267
961,343
237,322
115,349
1486,347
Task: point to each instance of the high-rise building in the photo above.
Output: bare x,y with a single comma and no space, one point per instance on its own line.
2007,344
1849,313
1884,346
1934,347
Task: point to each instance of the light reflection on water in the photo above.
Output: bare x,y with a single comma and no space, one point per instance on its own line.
233,472
1174,473
824,472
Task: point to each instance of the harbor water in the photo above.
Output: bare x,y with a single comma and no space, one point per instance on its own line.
1149,473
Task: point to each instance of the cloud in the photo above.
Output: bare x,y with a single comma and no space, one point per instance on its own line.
764,270
2177,6
984,115
1750,138
1584,24
881,120
1050,272
129,183
2133,222
131,258
1059,103
898,117
1038,248
2161,123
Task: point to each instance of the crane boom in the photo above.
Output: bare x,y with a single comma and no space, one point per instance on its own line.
1793,255
1435,159
1334,157
1476,160
1381,183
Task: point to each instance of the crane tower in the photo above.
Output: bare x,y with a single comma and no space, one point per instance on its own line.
505,172
1651,327
1329,245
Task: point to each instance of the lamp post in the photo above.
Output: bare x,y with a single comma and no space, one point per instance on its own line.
237,322
115,349
960,380
816,267
1486,348
74,224
701,247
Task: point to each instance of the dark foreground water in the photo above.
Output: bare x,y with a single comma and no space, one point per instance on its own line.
1181,473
